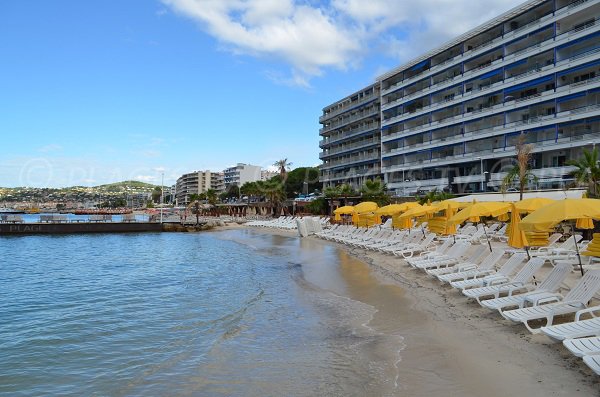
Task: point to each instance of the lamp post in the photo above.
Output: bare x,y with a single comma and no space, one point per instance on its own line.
162,192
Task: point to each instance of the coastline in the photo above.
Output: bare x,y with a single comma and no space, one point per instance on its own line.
455,347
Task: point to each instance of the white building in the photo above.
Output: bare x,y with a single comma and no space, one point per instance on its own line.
450,118
240,174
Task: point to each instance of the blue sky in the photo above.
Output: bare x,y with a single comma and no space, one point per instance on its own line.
101,91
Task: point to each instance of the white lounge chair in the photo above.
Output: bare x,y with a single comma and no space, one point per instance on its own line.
575,300
477,256
470,270
482,279
519,282
452,257
593,361
583,346
437,251
410,250
550,284
575,329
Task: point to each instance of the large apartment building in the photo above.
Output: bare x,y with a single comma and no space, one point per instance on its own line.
195,183
450,118
351,138
240,174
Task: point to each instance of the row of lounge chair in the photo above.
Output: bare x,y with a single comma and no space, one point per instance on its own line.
499,279
284,222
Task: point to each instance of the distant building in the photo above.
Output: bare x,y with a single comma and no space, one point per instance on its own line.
138,200
265,175
217,181
195,183
240,174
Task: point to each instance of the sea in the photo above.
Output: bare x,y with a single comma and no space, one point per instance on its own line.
226,313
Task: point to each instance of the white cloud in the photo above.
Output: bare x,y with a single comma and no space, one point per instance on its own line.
312,36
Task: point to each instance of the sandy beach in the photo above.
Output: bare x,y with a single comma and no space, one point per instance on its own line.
453,347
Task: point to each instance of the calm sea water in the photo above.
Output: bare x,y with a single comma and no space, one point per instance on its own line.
232,313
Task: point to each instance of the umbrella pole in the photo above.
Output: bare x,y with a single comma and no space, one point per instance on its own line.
577,250
486,236
527,250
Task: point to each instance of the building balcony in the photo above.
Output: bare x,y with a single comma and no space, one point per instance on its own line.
413,186
333,126
351,107
488,154
504,107
507,37
349,148
350,161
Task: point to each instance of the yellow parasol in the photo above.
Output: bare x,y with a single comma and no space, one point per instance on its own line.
568,209
345,210
478,209
484,208
390,210
532,204
562,210
516,237
362,208
584,223
419,211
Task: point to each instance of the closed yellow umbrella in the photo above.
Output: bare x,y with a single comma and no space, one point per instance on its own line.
562,210
516,237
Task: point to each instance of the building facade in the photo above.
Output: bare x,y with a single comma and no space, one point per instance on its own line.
265,175
240,174
195,183
351,144
450,118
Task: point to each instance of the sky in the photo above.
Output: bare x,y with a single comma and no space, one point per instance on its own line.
100,91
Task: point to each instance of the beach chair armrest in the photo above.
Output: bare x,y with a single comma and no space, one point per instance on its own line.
467,266
590,310
499,280
567,303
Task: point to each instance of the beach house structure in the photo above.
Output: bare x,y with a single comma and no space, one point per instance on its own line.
451,117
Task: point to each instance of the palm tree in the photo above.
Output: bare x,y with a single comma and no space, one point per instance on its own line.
283,165
521,172
195,206
374,190
587,172
275,194
211,196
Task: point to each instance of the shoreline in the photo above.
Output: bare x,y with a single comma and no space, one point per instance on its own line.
456,347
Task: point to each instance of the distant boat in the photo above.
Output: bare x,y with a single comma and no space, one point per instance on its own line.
5,210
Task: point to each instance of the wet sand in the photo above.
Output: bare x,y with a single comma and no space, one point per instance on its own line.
450,346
